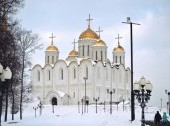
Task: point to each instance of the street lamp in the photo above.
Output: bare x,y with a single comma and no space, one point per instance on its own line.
131,43
85,78
82,105
35,109
6,75
142,91
111,92
40,105
168,93
96,99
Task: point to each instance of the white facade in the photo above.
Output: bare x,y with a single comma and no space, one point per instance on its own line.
62,81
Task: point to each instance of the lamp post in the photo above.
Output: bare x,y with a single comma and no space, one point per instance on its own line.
82,105
6,75
142,91
40,105
111,92
78,107
85,78
96,99
35,109
104,106
123,104
168,93
132,93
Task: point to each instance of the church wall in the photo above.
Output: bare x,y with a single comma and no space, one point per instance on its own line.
37,81
47,85
60,76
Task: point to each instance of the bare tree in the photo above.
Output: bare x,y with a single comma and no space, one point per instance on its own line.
28,44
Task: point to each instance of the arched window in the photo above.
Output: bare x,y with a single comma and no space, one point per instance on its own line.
74,73
88,50
52,59
116,59
61,74
38,75
96,55
87,72
49,75
83,50
101,56
120,59
48,59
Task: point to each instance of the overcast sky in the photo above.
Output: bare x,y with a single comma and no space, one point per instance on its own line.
66,19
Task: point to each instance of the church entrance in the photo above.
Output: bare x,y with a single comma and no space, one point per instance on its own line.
54,101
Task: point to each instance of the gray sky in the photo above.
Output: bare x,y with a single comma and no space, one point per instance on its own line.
66,19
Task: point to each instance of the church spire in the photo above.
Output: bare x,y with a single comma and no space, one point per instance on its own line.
118,40
52,37
74,43
99,31
89,20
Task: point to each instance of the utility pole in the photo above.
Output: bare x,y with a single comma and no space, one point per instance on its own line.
132,93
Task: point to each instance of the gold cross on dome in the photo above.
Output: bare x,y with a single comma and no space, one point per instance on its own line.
118,39
89,19
74,43
99,31
52,37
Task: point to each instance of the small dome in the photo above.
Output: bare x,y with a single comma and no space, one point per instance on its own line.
52,48
99,43
118,49
73,53
88,33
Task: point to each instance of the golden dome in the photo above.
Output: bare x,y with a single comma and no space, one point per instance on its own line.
52,48
99,43
73,53
118,49
88,33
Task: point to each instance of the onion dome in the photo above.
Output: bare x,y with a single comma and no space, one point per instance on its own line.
52,48
118,49
99,43
73,53
88,33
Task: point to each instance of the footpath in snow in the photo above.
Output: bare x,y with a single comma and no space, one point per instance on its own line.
69,116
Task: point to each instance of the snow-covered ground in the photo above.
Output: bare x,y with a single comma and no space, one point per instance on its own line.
69,116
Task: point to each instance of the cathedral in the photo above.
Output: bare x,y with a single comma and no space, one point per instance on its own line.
85,75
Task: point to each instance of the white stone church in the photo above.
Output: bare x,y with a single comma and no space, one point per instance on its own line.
64,82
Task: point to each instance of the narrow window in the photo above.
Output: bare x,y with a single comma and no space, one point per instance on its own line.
52,59
74,73
96,55
116,59
49,75
38,72
48,58
83,50
101,56
61,74
88,50
87,72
